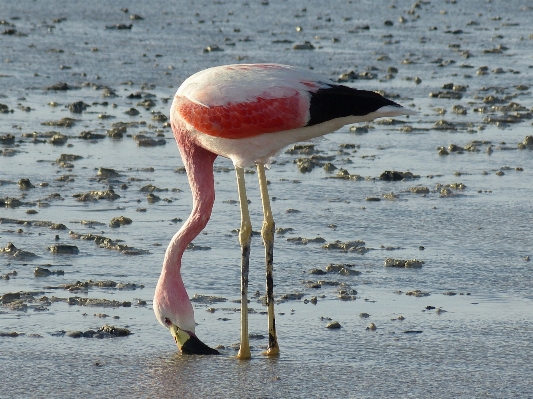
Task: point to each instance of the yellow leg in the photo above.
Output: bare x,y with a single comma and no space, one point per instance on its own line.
245,236
267,232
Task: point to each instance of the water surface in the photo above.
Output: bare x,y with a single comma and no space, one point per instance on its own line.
475,242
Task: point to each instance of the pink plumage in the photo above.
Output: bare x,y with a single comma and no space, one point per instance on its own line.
239,120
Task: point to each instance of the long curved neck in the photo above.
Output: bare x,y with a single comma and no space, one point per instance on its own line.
170,295
199,165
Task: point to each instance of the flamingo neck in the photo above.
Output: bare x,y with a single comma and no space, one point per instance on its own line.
199,165
170,292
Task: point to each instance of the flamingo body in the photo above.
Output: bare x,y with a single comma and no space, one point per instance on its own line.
247,113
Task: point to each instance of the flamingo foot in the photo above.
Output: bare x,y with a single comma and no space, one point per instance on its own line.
244,353
271,352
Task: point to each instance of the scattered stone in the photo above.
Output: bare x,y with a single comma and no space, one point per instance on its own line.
120,221
43,272
359,129
333,325
63,122
95,302
305,241
394,175
400,263
329,167
12,334
10,202
193,247
68,158
7,139
390,196
444,125
212,48
8,274
451,95
459,109
207,299
346,293
25,184
345,175
281,230
85,285
150,188
109,195
87,135
119,26
347,77
417,293
527,143
159,117
419,190
446,192
295,296
77,107
10,297
303,149
108,243
19,254
103,332
456,186
149,142
342,269
132,112
116,133
61,87
64,249
313,284
114,331
50,225
303,46
58,139
107,173
349,246
318,272
147,103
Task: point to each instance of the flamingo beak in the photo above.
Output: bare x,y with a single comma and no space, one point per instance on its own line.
189,344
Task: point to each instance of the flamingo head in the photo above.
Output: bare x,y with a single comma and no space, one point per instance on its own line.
178,316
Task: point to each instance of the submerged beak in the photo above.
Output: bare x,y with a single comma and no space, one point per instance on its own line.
189,344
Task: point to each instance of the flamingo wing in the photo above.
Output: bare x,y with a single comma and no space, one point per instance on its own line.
246,100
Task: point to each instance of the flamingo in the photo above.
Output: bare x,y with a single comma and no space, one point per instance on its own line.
247,113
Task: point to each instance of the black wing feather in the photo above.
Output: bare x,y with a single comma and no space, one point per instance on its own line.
339,101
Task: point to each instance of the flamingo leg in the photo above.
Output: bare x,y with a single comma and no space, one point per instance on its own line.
267,232
245,235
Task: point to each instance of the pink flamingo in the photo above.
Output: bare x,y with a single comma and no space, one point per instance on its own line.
246,113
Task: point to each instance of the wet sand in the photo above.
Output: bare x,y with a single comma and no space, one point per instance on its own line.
402,259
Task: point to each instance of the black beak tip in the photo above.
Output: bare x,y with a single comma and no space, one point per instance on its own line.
193,346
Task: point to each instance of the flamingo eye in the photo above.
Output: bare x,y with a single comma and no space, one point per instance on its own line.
167,321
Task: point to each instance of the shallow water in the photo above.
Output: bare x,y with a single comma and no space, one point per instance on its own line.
475,242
